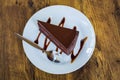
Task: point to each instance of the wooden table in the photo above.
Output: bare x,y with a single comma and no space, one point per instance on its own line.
103,14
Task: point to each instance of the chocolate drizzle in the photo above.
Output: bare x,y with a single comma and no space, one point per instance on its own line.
46,43
75,28
61,24
49,20
73,57
61,52
36,41
56,48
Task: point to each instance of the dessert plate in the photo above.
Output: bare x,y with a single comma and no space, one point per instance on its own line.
73,18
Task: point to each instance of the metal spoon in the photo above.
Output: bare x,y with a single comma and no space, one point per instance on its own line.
51,55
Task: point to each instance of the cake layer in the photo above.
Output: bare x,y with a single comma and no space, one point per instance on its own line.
63,38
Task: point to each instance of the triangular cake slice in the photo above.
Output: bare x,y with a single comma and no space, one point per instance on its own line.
63,38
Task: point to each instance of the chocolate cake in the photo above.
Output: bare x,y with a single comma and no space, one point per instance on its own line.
63,38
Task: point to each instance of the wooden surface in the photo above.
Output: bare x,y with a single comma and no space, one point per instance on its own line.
103,14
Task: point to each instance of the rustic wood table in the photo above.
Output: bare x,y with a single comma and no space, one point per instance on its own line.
103,14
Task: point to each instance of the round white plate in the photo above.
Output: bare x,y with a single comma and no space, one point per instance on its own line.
73,18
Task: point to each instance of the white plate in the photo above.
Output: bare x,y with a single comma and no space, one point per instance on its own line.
73,18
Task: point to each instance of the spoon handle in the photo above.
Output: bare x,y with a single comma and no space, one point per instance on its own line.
29,42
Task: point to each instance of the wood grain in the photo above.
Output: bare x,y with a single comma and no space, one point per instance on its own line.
103,14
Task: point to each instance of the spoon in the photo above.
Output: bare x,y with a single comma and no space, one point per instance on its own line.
51,55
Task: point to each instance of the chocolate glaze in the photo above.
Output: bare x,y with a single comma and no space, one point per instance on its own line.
73,57
62,22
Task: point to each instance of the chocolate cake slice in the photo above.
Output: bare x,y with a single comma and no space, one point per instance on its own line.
63,38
